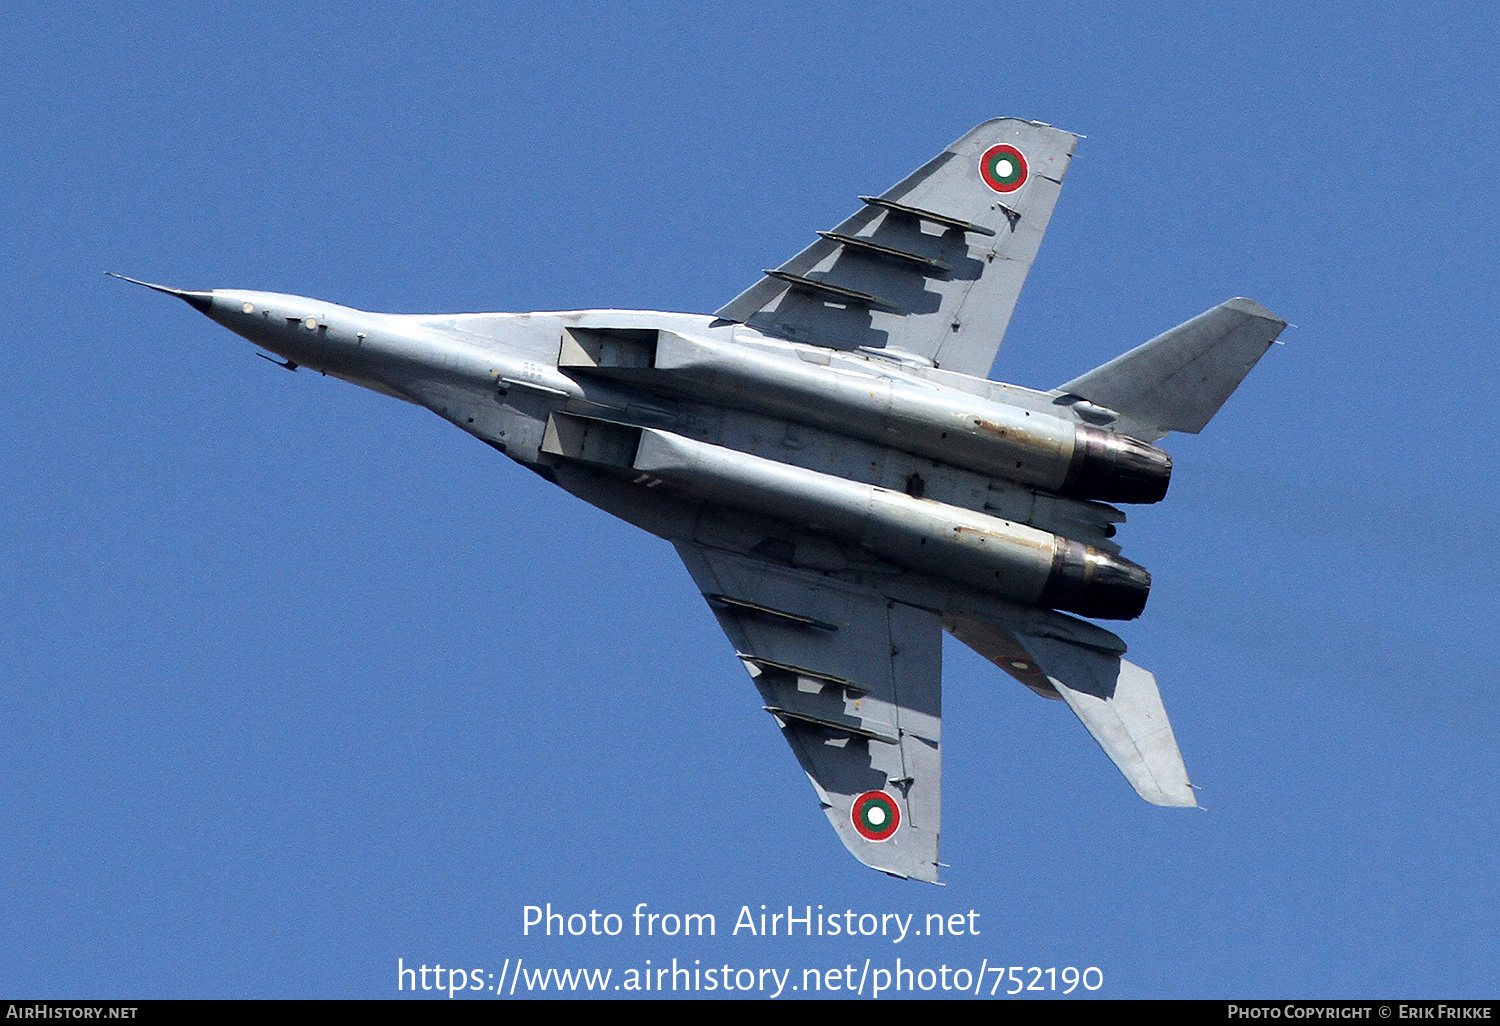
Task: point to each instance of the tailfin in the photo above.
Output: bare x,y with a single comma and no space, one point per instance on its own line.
1178,380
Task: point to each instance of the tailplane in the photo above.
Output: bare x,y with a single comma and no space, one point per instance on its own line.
1078,662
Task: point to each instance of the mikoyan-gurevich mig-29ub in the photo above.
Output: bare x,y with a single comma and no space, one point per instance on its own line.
840,478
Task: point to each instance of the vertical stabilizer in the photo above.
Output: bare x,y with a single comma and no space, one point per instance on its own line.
1178,380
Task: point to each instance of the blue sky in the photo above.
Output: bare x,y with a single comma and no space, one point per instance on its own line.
299,680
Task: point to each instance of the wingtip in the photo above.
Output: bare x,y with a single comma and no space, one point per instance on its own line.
1245,305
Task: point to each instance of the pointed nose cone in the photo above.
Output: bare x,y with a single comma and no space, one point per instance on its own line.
201,301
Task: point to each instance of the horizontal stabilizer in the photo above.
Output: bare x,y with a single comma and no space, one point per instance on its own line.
1119,704
1178,380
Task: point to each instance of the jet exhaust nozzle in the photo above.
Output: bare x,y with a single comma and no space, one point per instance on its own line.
1116,468
1095,584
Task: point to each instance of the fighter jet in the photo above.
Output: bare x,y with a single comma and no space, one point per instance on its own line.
837,473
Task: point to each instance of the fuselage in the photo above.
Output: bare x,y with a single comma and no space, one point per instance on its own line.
655,416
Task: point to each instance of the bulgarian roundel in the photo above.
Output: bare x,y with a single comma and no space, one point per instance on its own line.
876,815
1003,168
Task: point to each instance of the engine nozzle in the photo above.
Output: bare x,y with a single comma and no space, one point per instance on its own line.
1116,468
1095,584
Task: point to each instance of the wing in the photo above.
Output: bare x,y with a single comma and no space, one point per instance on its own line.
854,682
1117,701
928,271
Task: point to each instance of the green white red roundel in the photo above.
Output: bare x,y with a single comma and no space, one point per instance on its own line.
876,815
1003,168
